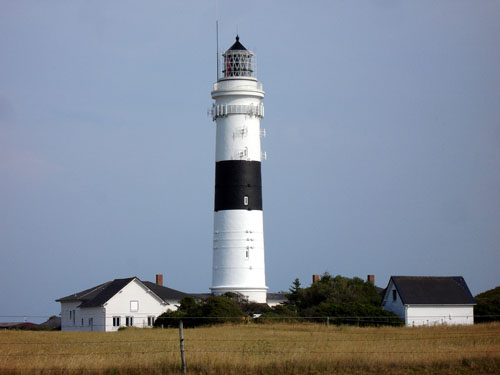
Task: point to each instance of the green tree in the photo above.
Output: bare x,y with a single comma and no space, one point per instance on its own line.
488,306
212,310
294,295
339,289
351,301
188,305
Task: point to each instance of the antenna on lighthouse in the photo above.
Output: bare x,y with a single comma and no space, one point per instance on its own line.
217,45
217,36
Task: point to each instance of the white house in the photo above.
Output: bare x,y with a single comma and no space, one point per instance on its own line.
429,300
117,303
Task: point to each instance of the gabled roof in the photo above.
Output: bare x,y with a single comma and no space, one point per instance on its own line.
102,293
85,294
433,290
166,294
107,293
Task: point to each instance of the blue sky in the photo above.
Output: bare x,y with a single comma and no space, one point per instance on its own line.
383,141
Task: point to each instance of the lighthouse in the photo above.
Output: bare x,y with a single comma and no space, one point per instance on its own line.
238,238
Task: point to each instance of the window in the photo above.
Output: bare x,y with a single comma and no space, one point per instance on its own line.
72,316
394,295
116,321
245,200
134,306
129,321
91,322
151,320
247,254
82,322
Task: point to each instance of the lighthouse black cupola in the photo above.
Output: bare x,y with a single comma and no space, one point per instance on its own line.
238,246
237,61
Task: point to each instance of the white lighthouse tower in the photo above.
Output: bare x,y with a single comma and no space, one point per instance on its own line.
238,246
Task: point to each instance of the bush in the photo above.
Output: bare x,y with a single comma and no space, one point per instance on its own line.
338,289
361,314
344,300
212,310
488,306
348,301
277,313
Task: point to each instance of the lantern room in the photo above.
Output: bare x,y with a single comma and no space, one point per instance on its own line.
237,61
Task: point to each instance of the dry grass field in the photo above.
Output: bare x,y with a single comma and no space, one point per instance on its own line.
255,349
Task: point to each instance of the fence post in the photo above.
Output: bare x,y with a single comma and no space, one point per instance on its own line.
327,321
181,338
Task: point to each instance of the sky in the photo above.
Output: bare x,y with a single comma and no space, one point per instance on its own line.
383,141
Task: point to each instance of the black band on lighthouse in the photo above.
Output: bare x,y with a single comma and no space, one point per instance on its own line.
238,185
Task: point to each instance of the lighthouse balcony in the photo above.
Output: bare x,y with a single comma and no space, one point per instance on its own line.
222,110
249,84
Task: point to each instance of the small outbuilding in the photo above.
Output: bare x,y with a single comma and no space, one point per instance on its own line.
430,300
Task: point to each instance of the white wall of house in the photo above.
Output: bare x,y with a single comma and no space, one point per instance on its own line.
134,301
418,315
69,315
91,319
75,319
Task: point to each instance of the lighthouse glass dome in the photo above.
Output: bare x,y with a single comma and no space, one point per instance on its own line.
237,61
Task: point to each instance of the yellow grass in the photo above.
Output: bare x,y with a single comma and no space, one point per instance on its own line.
257,349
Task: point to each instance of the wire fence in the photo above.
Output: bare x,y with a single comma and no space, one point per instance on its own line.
126,342
267,352
146,314
146,320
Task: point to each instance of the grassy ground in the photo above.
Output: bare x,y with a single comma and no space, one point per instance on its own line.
257,349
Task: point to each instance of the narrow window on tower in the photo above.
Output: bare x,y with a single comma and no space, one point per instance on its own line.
245,200
247,254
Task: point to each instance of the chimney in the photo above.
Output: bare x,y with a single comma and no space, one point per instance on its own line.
315,279
159,279
370,279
